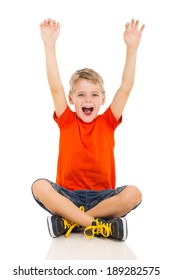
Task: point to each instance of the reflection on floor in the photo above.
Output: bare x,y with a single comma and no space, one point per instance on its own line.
77,246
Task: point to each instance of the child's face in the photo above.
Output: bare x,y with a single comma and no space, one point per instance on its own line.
87,100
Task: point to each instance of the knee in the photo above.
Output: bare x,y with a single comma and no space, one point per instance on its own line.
133,195
40,188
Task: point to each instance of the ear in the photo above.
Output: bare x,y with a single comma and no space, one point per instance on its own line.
70,99
103,99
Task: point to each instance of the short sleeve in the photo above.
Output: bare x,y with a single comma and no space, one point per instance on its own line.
66,117
110,118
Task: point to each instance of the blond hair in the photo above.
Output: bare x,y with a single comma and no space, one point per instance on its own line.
86,74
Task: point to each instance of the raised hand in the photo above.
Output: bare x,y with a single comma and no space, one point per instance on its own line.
132,35
50,30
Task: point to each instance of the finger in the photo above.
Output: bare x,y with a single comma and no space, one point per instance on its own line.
58,25
49,22
53,23
42,24
127,25
142,28
132,23
45,22
136,23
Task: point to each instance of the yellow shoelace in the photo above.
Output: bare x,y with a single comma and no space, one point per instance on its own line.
71,225
100,228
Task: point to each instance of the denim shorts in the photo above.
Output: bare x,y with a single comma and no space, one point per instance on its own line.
86,198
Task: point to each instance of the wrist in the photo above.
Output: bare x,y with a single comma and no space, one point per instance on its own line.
132,50
49,45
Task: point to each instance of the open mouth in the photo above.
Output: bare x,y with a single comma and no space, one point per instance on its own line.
87,110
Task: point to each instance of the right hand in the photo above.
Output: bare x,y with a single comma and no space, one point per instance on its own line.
50,30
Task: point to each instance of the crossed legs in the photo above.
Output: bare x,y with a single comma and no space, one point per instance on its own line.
116,206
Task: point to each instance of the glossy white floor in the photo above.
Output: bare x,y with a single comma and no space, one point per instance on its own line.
77,246
27,236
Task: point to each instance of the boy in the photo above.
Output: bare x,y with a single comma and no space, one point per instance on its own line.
84,194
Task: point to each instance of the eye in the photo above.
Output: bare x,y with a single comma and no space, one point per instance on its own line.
95,94
81,94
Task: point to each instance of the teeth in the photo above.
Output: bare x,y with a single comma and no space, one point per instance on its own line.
87,107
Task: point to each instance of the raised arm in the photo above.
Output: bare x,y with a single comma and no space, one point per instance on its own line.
50,30
132,37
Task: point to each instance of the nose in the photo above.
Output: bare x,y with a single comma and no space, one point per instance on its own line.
88,98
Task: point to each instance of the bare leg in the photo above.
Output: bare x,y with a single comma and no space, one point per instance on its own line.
60,205
115,206
119,205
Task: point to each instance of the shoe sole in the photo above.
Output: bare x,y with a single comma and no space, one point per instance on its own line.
125,231
50,228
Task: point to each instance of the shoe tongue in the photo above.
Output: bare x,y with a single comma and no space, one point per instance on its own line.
94,222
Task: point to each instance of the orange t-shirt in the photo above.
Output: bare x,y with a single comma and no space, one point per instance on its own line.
86,151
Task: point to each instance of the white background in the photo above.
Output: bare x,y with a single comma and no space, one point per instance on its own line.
91,36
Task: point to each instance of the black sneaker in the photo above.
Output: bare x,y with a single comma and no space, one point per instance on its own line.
58,226
115,228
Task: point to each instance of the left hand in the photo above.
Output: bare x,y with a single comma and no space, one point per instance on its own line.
132,35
